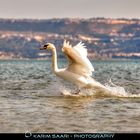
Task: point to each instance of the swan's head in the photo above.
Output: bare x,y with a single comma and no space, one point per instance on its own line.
48,46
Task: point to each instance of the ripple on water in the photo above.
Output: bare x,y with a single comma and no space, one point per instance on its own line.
30,100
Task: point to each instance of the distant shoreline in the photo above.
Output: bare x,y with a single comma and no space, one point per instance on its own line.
105,38
64,59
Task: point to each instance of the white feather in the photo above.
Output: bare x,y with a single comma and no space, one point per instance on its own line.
78,61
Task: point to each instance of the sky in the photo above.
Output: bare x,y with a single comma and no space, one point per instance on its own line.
46,9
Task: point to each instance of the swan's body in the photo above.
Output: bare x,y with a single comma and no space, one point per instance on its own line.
79,69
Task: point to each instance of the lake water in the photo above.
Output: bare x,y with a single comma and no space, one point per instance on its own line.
31,100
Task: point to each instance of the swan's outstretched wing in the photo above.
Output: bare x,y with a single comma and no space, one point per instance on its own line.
77,57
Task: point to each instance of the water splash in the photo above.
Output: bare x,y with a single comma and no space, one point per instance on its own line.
119,91
110,90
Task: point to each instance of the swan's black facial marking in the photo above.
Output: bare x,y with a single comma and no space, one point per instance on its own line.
44,47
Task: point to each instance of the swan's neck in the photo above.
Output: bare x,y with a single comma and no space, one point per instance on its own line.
54,60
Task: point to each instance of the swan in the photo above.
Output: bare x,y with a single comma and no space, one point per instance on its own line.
79,69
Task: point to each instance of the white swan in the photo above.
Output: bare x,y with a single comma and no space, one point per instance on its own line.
79,69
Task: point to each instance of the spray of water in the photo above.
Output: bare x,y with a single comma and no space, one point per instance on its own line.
110,90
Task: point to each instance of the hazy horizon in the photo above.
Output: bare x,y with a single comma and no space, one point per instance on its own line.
48,9
66,18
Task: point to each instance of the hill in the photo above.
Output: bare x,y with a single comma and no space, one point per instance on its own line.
105,38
